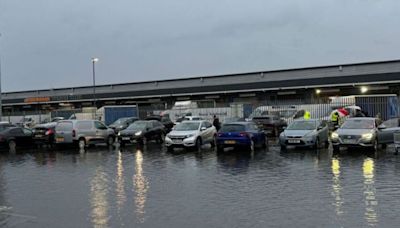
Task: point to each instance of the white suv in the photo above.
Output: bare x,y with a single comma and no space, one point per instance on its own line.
191,134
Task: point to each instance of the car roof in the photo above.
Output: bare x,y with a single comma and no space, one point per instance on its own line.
193,121
362,118
239,122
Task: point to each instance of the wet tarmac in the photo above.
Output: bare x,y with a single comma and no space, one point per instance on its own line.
149,187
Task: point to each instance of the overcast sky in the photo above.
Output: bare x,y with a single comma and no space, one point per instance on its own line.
49,43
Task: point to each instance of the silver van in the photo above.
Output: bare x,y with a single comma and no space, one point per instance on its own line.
83,132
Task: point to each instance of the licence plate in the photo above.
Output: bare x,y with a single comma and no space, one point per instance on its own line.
349,141
177,140
294,141
230,142
59,139
38,136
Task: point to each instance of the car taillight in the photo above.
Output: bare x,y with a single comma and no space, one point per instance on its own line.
49,132
243,134
73,133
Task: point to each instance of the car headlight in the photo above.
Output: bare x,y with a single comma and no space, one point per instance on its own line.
119,133
138,133
367,136
335,135
189,136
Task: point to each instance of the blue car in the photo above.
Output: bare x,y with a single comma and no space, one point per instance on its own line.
240,135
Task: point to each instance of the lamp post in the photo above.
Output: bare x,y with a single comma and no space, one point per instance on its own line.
94,60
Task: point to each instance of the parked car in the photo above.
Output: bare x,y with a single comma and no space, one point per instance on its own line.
386,131
122,123
165,120
27,122
191,134
356,132
186,118
5,125
142,131
44,133
272,124
83,132
303,133
240,134
14,137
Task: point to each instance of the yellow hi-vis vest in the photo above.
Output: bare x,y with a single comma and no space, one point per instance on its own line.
307,115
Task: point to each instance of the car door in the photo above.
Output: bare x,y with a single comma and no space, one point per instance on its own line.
385,135
323,133
210,131
27,137
64,132
101,130
203,132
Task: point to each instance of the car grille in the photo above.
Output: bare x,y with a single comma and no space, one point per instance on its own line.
294,137
355,137
177,136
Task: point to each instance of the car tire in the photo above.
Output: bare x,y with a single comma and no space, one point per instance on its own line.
265,143
283,148
375,146
110,141
213,143
384,146
251,146
12,145
220,149
336,148
198,144
82,143
170,149
317,144
327,144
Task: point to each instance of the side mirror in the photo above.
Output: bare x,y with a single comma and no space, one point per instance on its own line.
284,128
319,128
203,128
381,127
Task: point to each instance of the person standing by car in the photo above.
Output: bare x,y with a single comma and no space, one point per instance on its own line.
216,123
335,119
307,115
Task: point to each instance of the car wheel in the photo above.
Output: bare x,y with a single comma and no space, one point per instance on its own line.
220,149
251,146
265,143
336,148
170,149
198,144
214,141
384,146
110,140
283,148
317,143
162,137
375,146
327,144
82,143
12,145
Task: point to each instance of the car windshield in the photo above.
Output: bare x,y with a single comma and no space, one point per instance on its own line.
302,125
120,121
358,124
233,128
187,126
138,125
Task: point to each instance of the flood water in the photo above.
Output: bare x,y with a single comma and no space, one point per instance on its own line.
149,187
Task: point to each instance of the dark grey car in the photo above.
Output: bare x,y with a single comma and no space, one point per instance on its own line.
357,132
386,131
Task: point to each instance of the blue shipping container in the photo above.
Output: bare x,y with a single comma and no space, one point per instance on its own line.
113,113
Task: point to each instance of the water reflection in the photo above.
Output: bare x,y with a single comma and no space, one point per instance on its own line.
141,186
336,186
370,192
120,182
98,198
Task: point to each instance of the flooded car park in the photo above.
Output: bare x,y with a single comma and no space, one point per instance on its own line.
147,186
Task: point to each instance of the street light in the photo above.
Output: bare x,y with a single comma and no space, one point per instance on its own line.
94,60
364,89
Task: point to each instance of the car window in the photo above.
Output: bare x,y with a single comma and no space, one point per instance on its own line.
232,128
392,123
64,126
196,118
16,131
81,125
208,125
100,125
203,125
27,131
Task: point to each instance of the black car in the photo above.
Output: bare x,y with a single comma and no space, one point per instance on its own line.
14,137
272,124
142,131
122,123
44,133
165,120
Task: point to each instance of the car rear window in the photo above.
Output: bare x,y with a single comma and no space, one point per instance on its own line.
233,128
64,126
